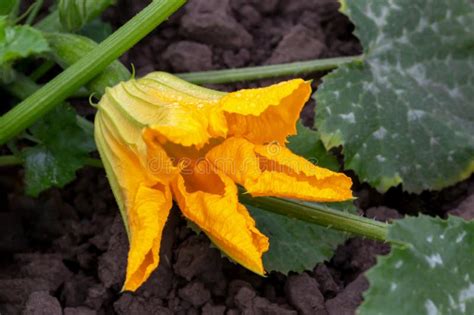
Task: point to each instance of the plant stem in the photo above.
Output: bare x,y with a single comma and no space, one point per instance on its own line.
321,215
9,160
66,83
263,72
23,87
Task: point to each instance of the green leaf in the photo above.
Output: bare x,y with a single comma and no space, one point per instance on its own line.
296,245
97,30
74,14
9,8
307,143
405,114
63,147
433,274
19,41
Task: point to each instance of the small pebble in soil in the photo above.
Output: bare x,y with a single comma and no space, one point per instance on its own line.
327,284
188,56
41,303
195,293
212,22
347,301
303,293
301,37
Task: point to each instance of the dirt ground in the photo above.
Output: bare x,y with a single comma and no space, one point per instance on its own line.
65,252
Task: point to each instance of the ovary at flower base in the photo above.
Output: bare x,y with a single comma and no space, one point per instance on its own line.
163,139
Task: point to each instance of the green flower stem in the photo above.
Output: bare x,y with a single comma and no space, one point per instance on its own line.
321,215
263,72
71,79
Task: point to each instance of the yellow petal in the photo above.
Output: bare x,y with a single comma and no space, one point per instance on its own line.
266,114
180,112
210,201
158,165
273,170
143,198
153,134
147,220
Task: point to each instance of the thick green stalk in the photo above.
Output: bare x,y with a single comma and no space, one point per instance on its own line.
263,72
66,83
66,49
52,23
24,86
321,215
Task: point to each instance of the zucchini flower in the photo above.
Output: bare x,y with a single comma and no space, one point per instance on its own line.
163,139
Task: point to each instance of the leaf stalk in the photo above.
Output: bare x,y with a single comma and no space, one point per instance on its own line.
322,215
264,72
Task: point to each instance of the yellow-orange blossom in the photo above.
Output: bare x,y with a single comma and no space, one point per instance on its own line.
160,137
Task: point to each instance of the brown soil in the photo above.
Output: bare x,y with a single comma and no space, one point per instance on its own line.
65,252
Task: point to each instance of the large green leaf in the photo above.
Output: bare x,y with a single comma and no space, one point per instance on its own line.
63,149
296,245
19,42
432,274
307,143
405,114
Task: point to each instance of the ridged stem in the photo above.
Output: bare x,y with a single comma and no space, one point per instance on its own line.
321,214
264,72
